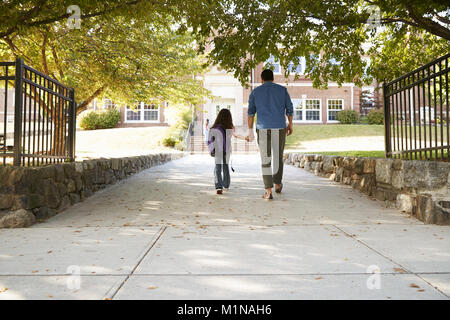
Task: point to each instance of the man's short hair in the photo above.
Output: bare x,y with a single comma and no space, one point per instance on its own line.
267,75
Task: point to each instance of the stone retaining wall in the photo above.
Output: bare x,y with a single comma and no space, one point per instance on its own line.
419,188
28,195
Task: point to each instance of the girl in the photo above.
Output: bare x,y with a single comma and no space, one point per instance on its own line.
219,144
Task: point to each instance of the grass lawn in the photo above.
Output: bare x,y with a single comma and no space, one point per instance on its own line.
360,154
322,132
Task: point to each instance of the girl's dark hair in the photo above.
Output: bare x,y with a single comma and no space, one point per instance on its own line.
224,119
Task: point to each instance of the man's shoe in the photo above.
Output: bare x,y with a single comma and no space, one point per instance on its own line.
279,190
219,191
267,196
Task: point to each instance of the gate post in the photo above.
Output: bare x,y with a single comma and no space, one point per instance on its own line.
387,123
18,102
72,125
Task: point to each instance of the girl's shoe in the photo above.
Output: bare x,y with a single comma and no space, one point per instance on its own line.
226,189
219,191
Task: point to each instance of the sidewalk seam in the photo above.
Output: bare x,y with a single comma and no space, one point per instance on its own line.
390,259
162,230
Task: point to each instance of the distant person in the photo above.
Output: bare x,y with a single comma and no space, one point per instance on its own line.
206,131
219,145
271,103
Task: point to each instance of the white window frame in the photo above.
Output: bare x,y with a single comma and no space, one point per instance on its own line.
328,109
107,104
268,62
304,110
141,112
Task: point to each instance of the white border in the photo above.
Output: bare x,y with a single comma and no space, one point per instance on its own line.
328,110
141,111
304,112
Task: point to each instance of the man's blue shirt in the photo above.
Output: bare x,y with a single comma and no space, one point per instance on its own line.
271,102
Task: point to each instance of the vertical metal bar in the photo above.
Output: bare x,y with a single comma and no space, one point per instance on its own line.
424,114
441,122
429,113
29,150
39,120
47,114
58,124
387,123
447,93
5,116
413,105
436,142
392,106
52,119
72,114
34,119
18,112
420,118
407,116
397,118
401,117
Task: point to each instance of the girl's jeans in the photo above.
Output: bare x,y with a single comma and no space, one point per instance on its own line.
222,181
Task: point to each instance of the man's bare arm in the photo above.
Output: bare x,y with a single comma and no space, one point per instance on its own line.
251,121
290,128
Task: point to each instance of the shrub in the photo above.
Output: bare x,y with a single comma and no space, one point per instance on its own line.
169,142
376,116
100,119
363,120
347,117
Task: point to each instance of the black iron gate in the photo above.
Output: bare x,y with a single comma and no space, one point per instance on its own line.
38,115
416,113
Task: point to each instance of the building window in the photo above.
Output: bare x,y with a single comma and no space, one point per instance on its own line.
334,106
151,112
143,113
312,108
274,65
298,109
306,110
108,104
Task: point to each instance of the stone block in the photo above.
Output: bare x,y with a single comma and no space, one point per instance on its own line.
369,165
398,179
44,213
28,201
383,170
59,174
405,203
328,164
6,201
425,175
74,198
17,219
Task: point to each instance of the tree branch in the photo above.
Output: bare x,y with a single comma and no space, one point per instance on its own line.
83,105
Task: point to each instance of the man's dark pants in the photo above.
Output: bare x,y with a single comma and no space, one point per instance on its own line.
271,142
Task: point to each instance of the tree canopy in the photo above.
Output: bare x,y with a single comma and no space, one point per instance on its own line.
331,35
114,54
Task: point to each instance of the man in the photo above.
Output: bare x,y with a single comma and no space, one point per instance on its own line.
272,103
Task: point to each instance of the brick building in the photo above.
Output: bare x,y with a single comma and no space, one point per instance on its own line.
311,106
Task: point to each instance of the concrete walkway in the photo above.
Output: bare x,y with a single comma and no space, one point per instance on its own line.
164,234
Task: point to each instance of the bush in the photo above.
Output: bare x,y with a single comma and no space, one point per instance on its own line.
100,119
375,117
363,120
347,117
169,142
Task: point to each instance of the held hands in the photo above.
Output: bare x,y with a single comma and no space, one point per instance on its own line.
250,137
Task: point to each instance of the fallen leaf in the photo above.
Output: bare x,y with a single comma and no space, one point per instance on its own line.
413,285
35,271
420,290
152,288
3,290
319,278
399,270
